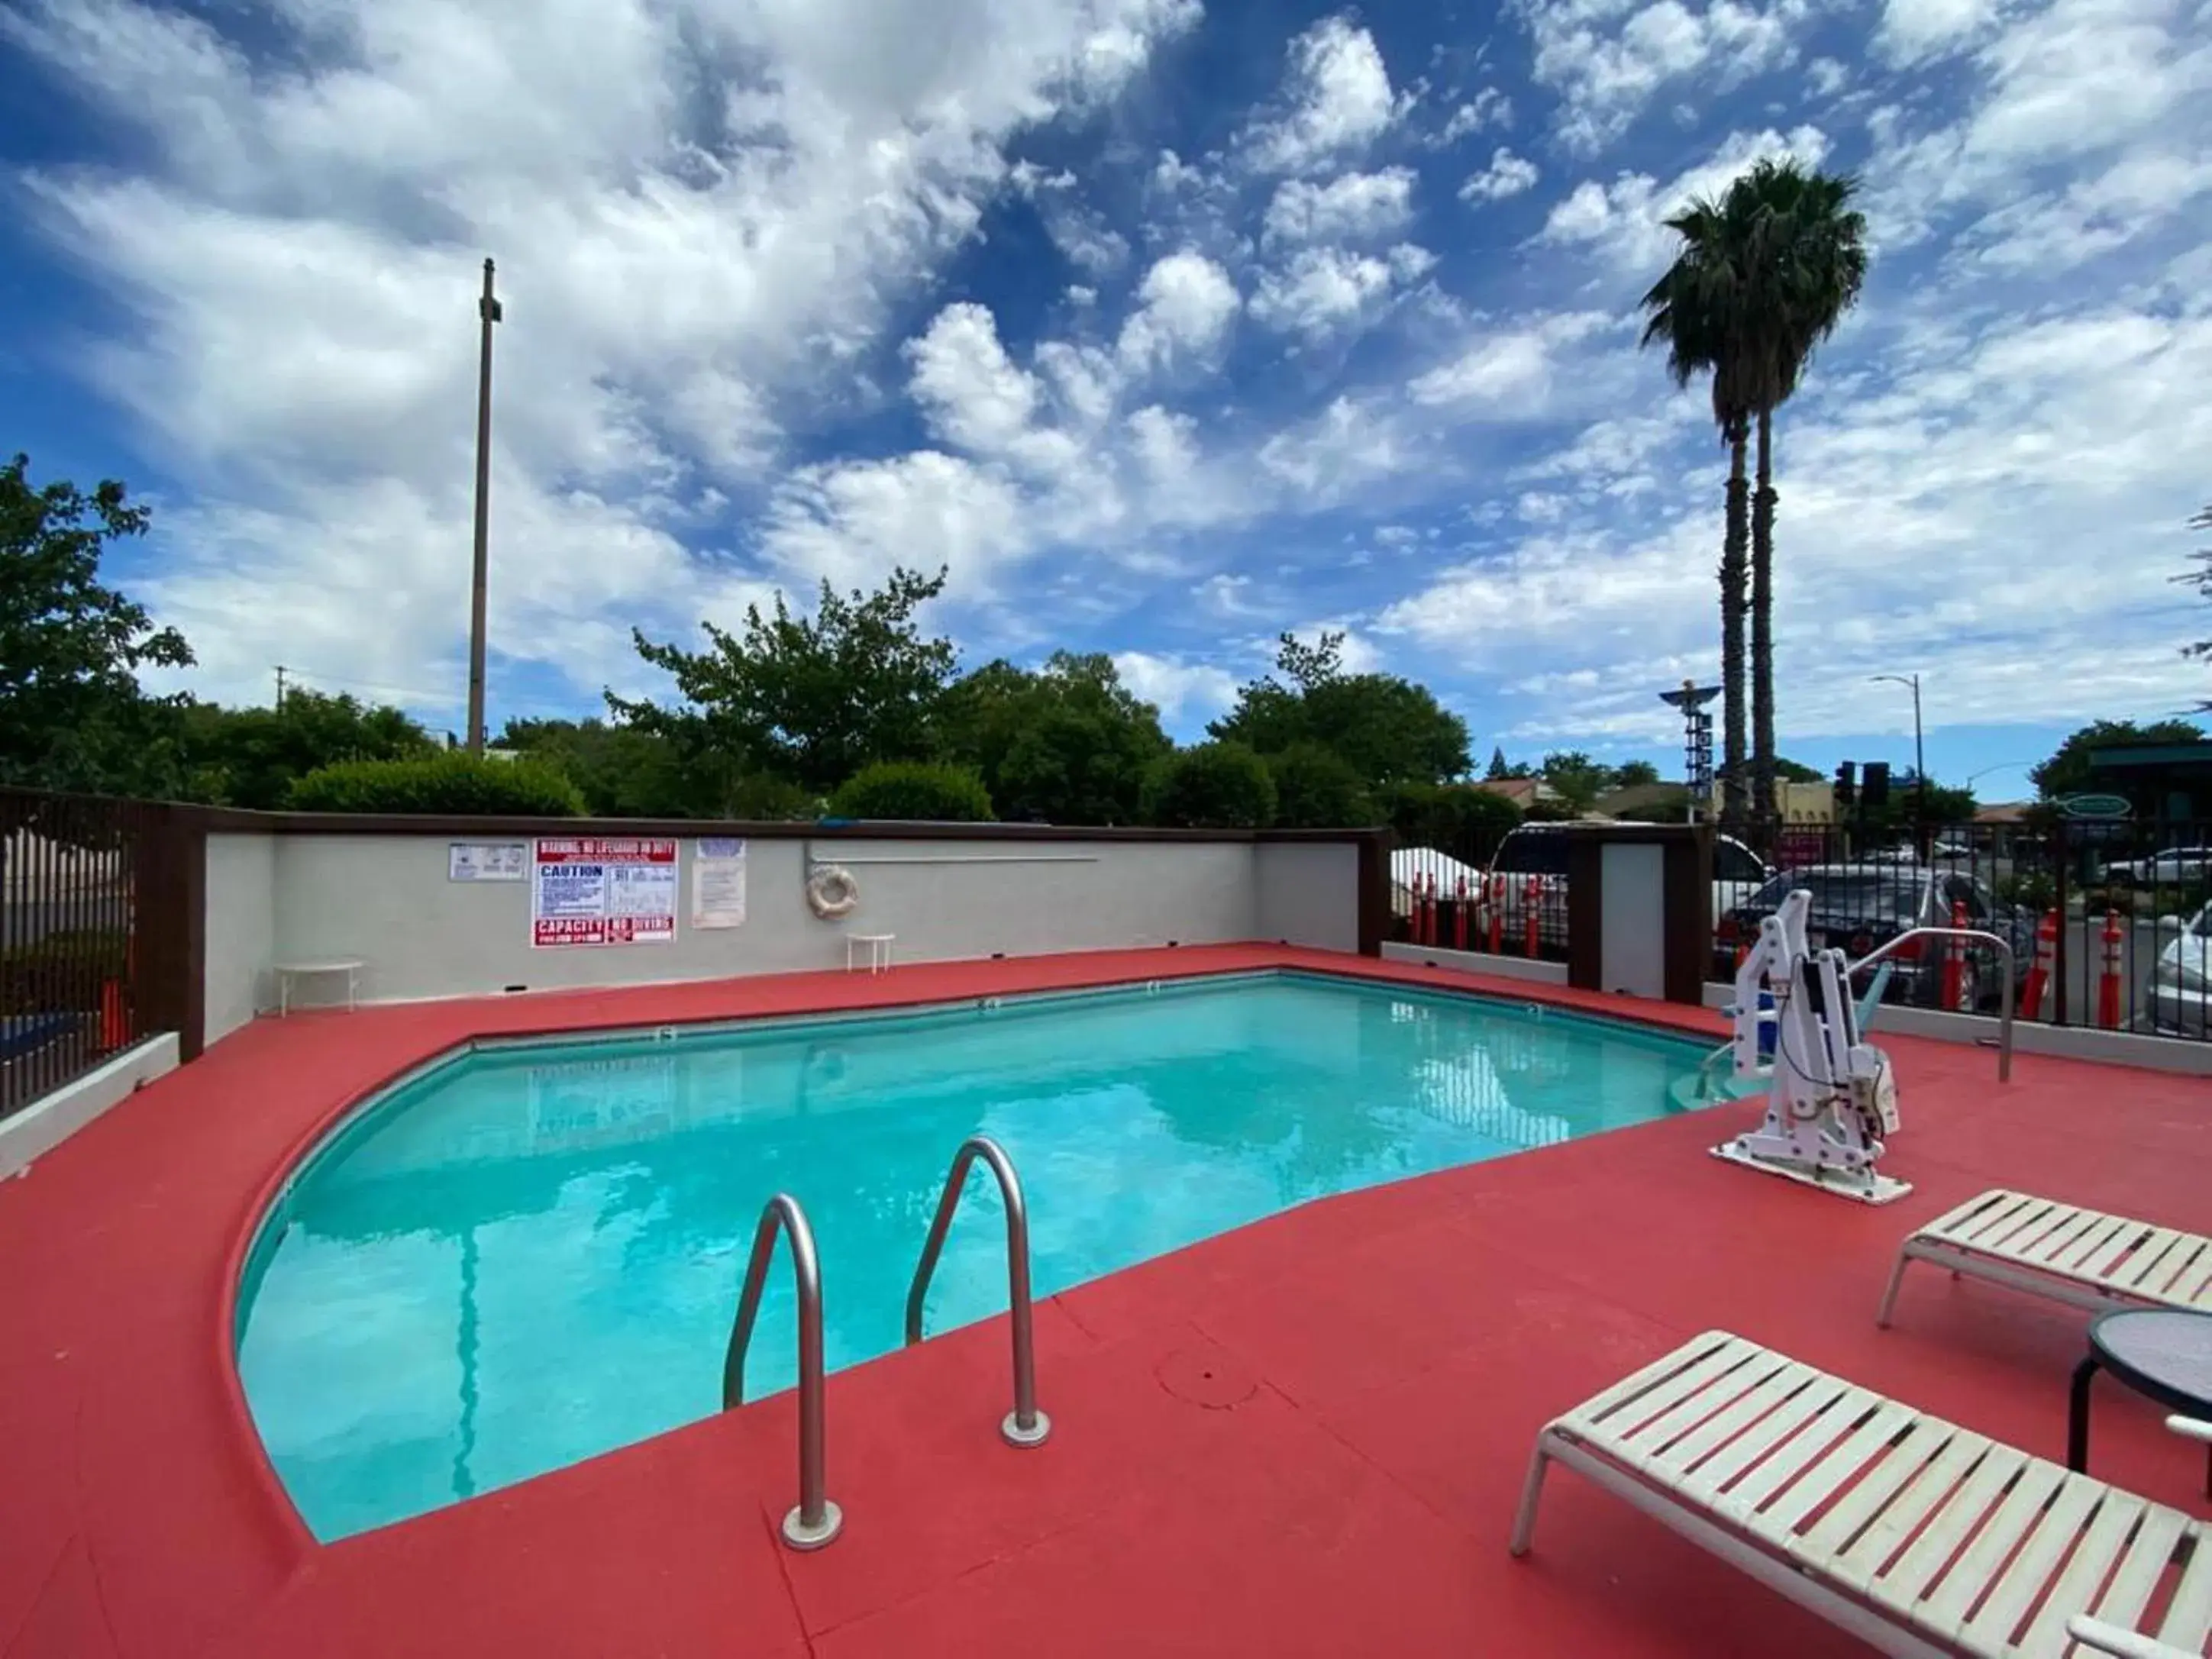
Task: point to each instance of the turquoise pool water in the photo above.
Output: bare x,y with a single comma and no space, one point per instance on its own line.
531,1254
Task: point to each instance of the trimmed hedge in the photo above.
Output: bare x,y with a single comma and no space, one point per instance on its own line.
453,781
1214,785
916,791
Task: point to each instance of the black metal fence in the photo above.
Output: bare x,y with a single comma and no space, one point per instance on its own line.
2110,922
76,875
2107,919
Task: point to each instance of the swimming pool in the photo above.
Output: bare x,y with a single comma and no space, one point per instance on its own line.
530,1253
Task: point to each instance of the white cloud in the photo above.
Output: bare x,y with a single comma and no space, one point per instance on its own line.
700,223
1352,207
1184,692
1625,222
854,522
1826,76
973,393
1186,305
1982,515
1328,291
1912,31
1508,174
1607,58
1338,96
1488,109
1509,372
2076,80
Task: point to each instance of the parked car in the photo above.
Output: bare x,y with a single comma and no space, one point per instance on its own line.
2181,983
1538,849
1858,908
2177,866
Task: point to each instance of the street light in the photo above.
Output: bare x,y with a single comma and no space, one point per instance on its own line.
2002,766
1920,757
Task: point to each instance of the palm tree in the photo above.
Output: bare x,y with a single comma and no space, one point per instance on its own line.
1687,310
1763,276
1807,263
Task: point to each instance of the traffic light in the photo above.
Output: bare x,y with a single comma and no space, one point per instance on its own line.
1877,783
1847,788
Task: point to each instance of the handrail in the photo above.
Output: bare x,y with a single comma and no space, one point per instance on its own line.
1024,1426
1882,952
816,1520
2004,953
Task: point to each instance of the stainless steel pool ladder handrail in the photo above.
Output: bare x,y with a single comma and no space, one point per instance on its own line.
1982,935
1889,948
1024,1426
816,1520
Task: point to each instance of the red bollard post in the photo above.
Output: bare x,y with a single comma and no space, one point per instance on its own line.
1955,963
2038,973
1458,917
1532,901
114,1032
1497,915
2108,983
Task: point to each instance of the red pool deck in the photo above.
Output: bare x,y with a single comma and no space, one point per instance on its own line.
1306,1436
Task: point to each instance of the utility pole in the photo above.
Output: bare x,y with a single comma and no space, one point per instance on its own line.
488,309
280,688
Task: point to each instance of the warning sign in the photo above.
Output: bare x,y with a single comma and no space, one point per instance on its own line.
589,889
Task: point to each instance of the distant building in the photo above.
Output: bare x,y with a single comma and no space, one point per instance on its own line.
1523,793
2164,782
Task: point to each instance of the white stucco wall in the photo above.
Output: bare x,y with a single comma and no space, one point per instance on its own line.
241,928
1307,893
385,899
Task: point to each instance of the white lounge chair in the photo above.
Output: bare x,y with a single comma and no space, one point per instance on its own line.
1855,1506
2081,1257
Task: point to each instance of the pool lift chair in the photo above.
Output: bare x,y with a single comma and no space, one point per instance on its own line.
1831,1097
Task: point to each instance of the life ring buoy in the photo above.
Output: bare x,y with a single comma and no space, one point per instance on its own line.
831,891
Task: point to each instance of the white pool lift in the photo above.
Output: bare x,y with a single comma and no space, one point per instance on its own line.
1831,1097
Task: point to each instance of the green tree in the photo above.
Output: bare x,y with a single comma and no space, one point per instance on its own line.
1067,743
1316,788
1498,771
916,791
1578,779
72,714
808,699
1389,729
251,757
1634,774
2067,772
449,780
1790,771
1763,278
1213,786
623,771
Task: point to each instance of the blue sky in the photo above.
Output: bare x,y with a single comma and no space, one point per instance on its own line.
1167,325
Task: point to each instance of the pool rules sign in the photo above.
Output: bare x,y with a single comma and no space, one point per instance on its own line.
591,890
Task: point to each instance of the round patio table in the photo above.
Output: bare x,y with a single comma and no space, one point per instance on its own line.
2163,1354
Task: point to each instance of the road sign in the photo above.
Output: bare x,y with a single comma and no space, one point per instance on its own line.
2094,807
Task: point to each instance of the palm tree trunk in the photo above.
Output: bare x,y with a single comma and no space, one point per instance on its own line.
1762,630
1733,545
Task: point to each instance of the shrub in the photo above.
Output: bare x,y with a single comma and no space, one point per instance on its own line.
453,781
1214,785
1453,817
1316,788
917,791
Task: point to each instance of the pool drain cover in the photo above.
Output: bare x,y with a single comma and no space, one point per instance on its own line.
1206,1377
